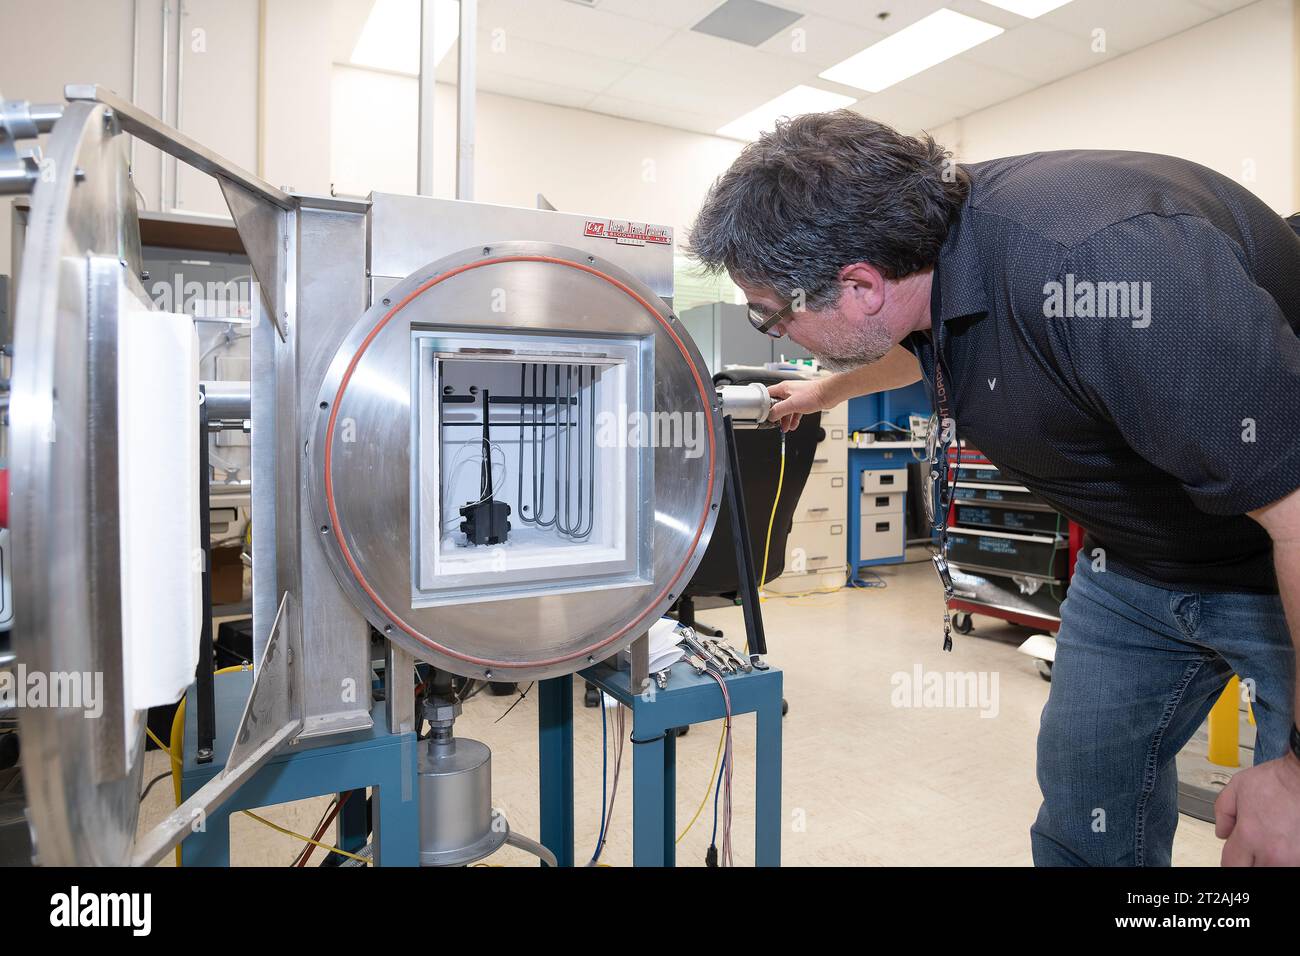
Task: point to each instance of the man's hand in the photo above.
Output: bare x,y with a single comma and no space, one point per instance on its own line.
896,369
1258,813
798,398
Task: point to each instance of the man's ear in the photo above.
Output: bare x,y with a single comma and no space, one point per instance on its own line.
865,285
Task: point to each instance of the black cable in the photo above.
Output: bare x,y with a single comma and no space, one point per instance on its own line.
162,776
515,704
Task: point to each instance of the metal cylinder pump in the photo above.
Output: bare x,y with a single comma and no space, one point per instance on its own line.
457,822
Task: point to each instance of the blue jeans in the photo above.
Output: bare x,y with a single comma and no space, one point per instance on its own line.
1137,670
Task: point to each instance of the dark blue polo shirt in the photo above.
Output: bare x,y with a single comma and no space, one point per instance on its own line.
1121,334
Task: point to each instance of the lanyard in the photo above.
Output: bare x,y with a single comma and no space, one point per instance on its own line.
947,438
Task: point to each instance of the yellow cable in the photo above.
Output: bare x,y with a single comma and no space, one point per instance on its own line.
164,748
305,839
800,594
767,544
176,744
709,791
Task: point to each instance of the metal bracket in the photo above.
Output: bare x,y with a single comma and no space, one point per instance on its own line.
153,131
258,208
275,701
639,656
263,229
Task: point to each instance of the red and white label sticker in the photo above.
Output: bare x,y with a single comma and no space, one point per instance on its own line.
626,231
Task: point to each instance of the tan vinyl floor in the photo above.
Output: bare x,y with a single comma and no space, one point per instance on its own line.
865,782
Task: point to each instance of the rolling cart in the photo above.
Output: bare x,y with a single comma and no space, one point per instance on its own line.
1010,553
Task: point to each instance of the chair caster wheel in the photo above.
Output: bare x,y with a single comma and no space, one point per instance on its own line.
591,698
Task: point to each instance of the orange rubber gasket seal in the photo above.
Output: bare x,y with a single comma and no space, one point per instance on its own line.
329,448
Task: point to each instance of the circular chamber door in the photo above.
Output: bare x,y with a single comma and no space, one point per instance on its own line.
517,462
81,256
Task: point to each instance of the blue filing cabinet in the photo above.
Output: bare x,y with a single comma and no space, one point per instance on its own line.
877,474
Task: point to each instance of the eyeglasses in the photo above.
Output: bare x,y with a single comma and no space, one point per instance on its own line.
938,501
764,321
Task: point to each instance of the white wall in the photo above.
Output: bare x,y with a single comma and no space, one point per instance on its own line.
1223,94
581,161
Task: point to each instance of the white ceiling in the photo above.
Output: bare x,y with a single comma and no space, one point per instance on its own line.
640,60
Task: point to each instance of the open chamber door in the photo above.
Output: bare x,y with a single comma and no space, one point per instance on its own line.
104,498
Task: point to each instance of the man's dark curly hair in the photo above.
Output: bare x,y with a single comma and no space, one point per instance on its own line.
822,191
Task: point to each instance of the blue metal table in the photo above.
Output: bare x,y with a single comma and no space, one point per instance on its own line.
689,699
370,758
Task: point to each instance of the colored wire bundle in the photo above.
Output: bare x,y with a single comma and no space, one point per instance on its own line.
714,858
607,806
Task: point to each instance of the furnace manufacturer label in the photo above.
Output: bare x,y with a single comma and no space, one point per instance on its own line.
628,232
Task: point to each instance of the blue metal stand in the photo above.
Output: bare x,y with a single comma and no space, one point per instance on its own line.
371,758
555,753
688,699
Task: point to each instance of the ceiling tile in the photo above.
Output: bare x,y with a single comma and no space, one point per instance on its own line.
906,110
751,22
1128,25
720,63
967,83
1222,6
679,14
663,115
574,27
864,14
818,42
672,90
547,64
530,89
1039,53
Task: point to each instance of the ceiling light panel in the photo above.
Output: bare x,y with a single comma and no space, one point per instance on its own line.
938,37
1028,8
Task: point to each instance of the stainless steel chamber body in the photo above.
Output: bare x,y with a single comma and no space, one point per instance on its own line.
409,354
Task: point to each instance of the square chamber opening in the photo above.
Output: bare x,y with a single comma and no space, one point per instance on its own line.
527,475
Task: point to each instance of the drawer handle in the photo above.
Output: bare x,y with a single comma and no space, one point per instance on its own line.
837,482
820,461
819,509
886,479
819,557
882,500
882,525
837,529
